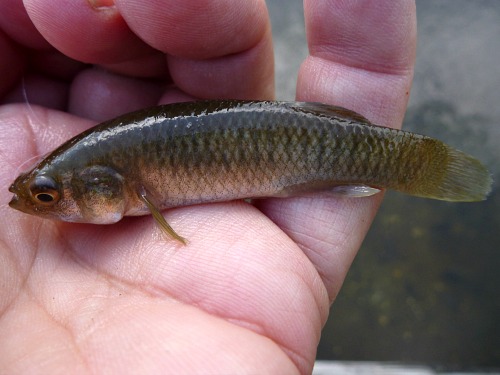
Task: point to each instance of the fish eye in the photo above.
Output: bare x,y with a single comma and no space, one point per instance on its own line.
44,190
45,197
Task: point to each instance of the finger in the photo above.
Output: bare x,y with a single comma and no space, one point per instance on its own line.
197,30
16,23
11,64
39,90
100,36
246,75
361,57
94,87
85,31
42,78
221,50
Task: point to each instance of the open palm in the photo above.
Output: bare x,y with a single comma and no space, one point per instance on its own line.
252,289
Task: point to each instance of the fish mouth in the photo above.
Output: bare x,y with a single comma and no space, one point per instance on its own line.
18,203
14,202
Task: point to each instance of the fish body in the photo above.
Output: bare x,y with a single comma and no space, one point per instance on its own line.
209,151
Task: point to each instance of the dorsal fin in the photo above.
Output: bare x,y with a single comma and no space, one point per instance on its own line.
328,111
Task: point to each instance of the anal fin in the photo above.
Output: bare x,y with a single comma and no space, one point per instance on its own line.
352,191
355,191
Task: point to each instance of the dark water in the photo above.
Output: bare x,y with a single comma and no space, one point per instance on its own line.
425,287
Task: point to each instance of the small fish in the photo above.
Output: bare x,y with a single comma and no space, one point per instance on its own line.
211,151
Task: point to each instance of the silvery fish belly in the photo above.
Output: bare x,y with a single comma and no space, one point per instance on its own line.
189,153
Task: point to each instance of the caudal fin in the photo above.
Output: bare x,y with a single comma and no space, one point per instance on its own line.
463,179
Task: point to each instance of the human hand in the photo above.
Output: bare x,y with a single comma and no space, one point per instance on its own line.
248,294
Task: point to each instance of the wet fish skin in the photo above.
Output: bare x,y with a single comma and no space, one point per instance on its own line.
189,153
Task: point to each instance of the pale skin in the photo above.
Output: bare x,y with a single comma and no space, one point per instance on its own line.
252,289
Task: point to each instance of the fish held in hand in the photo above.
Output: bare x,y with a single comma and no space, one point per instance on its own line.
211,151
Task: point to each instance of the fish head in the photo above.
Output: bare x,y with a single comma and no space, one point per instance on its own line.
91,194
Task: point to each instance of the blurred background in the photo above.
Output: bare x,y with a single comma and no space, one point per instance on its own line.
424,288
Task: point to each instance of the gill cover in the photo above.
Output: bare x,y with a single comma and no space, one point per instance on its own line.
99,193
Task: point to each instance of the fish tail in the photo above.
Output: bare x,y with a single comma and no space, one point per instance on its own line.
461,178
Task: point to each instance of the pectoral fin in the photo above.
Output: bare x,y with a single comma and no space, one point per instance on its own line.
161,220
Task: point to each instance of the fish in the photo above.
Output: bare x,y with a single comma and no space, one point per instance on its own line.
220,150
